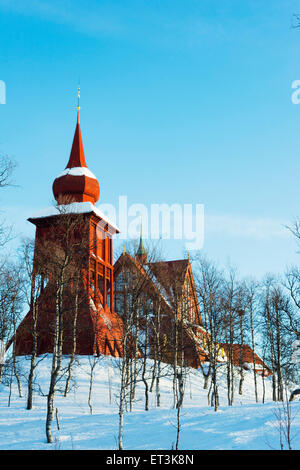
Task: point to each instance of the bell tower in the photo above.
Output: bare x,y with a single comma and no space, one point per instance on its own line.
76,190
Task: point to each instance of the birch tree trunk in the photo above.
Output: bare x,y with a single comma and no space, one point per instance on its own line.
253,349
175,357
33,356
74,337
144,371
179,405
35,309
93,365
56,357
241,356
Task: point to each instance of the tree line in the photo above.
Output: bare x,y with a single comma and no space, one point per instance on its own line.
155,322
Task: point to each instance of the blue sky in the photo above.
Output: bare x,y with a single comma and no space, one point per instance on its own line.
182,101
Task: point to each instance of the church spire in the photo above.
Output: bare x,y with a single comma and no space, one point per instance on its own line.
77,158
76,183
141,254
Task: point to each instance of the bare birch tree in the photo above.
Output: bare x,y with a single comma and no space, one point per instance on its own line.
11,304
7,167
67,241
210,284
251,307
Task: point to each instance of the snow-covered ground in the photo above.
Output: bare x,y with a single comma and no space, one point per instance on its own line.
246,425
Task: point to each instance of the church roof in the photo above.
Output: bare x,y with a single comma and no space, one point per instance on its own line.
74,208
76,183
77,158
247,355
167,277
170,274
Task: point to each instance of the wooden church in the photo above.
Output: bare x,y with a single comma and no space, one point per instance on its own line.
76,282
160,297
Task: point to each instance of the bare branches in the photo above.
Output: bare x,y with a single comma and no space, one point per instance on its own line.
7,167
292,284
295,20
60,255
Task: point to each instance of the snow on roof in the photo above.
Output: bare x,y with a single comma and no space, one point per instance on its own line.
158,285
73,208
77,171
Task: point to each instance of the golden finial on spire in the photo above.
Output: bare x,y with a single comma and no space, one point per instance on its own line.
78,98
124,248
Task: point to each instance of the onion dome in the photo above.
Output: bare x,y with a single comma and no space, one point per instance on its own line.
76,183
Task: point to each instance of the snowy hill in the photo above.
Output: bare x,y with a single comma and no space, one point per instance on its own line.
246,425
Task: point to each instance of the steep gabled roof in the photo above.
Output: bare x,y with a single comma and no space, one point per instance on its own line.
247,356
165,278
127,260
171,275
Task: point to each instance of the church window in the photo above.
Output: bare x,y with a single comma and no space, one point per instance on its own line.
93,239
100,243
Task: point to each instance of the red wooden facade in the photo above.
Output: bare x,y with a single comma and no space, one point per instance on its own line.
156,281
